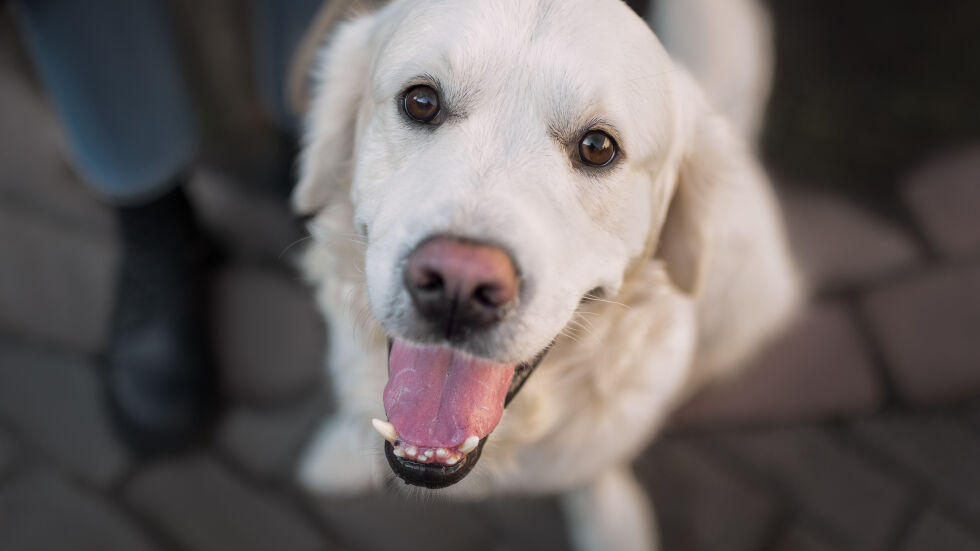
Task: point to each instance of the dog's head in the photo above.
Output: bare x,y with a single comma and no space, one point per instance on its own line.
505,160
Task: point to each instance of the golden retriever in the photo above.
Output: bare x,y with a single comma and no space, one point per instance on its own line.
534,235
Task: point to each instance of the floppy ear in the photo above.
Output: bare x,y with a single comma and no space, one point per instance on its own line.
723,240
708,170
340,75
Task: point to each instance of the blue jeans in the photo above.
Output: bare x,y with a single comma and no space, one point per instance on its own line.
111,71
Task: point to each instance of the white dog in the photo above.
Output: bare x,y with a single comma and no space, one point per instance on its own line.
528,200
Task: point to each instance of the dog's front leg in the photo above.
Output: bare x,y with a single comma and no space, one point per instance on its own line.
612,512
345,455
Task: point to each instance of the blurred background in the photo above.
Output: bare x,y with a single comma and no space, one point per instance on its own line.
859,429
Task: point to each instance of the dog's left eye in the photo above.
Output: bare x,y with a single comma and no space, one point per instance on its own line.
597,148
421,103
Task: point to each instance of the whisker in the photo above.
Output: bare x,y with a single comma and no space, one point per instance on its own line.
585,316
579,326
293,244
586,313
568,335
607,301
584,327
323,232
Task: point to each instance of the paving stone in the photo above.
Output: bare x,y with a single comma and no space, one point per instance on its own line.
35,174
270,338
944,194
205,508
267,441
819,368
56,285
934,532
837,243
801,538
939,450
43,513
385,522
700,505
55,235
55,402
834,489
6,455
528,523
974,415
928,328
251,224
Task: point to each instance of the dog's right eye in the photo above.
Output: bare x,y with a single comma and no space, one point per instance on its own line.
597,149
421,103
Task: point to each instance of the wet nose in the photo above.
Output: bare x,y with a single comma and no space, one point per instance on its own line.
461,286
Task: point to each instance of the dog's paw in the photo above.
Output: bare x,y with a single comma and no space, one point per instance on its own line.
612,512
344,457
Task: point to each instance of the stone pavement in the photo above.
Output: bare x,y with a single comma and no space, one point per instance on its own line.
858,430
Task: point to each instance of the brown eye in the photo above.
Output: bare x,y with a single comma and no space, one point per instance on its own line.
597,149
422,104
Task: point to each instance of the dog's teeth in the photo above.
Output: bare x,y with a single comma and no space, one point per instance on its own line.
469,444
429,453
452,461
411,451
442,453
385,429
399,451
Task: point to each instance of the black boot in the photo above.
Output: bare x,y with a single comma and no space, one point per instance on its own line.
160,378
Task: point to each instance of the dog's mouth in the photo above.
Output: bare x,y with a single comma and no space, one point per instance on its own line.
442,404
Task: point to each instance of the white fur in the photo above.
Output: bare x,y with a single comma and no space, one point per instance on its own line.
682,237
728,46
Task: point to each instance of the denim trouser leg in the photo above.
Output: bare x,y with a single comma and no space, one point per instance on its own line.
110,68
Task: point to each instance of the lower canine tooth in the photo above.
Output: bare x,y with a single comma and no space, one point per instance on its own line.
469,444
452,461
385,429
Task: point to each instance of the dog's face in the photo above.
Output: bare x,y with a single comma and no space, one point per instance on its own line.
522,138
545,120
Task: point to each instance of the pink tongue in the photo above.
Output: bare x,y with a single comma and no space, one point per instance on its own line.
437,397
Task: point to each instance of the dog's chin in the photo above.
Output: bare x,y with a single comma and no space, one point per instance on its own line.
443,466
433,476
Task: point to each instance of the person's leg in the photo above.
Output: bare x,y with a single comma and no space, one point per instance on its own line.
160,378
277,29
110,70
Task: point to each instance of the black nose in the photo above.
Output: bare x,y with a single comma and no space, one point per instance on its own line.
461,286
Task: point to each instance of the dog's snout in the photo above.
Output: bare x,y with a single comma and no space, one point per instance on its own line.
461,286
